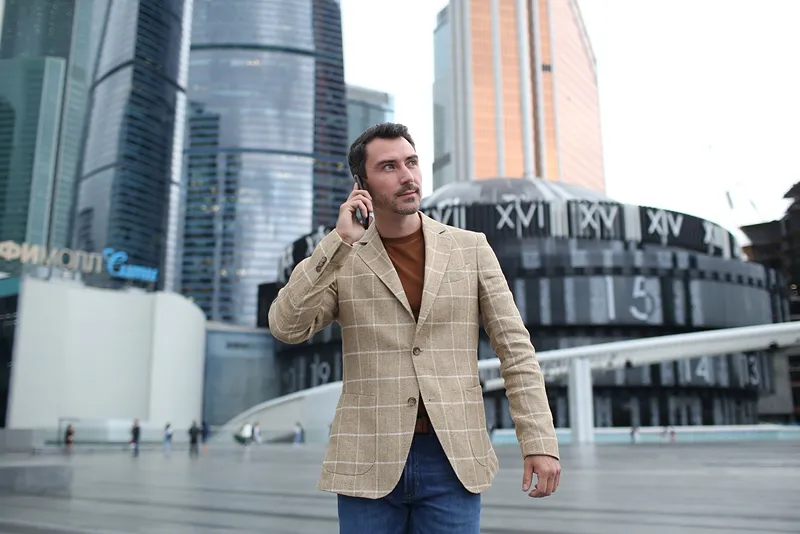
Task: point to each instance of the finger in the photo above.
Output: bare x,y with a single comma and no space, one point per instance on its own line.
527,476
551,485
362,195
557,481
541,486
367,202
360,206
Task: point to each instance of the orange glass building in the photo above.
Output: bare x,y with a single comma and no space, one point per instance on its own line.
515,93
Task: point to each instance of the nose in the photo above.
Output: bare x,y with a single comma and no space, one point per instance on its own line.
406,176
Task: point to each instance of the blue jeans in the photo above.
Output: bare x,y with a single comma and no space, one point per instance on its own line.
428,499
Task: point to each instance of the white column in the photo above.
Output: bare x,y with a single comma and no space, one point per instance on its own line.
525,92
581,401
497,59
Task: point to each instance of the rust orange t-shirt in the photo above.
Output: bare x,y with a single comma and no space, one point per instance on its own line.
408,257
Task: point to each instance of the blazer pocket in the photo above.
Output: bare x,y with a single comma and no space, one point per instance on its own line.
455,275
353,439
476,425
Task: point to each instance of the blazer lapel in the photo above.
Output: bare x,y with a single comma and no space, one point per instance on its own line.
375,256
437,255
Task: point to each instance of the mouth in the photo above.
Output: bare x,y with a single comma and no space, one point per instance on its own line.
407,194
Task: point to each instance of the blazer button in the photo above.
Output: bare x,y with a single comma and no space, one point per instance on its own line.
412,401
416,351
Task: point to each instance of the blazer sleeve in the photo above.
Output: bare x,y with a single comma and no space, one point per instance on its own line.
309,300
511,342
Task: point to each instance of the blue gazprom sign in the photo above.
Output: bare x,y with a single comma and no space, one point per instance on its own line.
114,262
118,267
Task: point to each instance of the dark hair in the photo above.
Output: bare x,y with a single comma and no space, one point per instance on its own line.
357,158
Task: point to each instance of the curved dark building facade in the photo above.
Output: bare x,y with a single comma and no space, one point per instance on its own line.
129,185
267,144
585,270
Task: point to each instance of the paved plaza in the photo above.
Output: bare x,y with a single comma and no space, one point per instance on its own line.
644,489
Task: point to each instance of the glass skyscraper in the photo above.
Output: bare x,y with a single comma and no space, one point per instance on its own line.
365,108
129,189
265,156
515,93
45,59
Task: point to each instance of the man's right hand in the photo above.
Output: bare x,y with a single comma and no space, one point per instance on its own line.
347,226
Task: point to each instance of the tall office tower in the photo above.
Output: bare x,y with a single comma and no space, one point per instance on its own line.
265,157
515,93
45,55
365,108
129,188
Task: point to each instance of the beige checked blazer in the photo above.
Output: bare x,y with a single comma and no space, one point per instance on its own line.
390,360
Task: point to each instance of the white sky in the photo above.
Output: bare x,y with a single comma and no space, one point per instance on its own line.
696,96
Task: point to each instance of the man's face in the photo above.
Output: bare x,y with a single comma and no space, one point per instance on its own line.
393,177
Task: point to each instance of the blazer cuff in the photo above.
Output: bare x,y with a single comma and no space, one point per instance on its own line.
332,250
547,446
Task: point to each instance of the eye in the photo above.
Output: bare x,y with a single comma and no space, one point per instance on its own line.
413,163
388,166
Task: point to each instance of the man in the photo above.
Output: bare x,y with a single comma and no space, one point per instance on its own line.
409,449
136,433
194,438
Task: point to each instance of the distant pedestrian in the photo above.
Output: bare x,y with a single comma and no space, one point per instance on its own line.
69,438
194,437
136,433
167,439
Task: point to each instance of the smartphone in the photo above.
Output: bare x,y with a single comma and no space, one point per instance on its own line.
359,216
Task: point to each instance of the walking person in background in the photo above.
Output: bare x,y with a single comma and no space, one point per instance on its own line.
69,438
409,449
136,434
299,433
167,439
194,437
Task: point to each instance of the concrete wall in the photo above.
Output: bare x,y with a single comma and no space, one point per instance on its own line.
314,408
101,355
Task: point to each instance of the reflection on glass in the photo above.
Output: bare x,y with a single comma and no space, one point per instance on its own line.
265,151
133,137
45,55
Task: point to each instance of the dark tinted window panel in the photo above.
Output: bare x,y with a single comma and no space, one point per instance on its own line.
128,177
266,142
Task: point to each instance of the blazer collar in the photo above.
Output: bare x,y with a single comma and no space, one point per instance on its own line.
437,254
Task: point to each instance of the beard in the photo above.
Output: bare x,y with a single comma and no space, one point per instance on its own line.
399,205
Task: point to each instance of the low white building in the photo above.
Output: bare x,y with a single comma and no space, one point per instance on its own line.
99,358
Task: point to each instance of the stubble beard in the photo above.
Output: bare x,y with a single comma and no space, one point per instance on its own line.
406,206
398,205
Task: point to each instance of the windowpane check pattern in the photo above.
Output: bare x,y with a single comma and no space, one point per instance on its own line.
390,360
